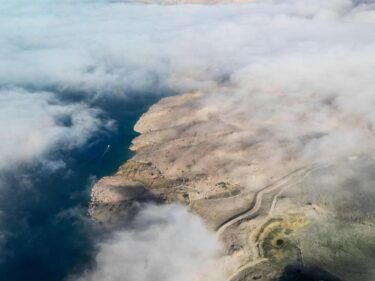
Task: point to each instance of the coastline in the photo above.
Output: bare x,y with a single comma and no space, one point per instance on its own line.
256,208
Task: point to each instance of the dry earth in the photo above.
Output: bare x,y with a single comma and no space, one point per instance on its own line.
281,211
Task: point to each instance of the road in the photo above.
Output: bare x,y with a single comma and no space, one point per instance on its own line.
291,179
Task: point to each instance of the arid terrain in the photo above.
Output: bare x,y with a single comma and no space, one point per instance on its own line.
187,140
281,211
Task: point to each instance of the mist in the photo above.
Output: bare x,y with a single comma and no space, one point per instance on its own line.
72,73
162,243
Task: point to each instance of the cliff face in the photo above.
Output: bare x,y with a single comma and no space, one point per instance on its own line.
281,211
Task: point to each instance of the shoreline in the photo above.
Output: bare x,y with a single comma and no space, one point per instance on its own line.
170,164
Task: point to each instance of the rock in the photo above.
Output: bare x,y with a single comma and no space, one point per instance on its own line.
274,206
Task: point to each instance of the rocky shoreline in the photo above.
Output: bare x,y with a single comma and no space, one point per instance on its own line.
266,206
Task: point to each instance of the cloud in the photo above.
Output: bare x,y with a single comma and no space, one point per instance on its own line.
35,123
303,69
164,243
121,48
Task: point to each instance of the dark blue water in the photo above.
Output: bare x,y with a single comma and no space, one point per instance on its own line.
46,233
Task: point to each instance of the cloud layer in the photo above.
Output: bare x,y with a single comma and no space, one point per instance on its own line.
93,51
35,123
164,243
63,64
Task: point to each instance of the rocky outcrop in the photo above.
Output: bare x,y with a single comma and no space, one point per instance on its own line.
281,212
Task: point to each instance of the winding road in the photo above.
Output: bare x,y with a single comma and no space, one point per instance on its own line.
291,179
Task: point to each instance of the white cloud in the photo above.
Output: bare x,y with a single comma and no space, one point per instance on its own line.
257,54
165,243
33,124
